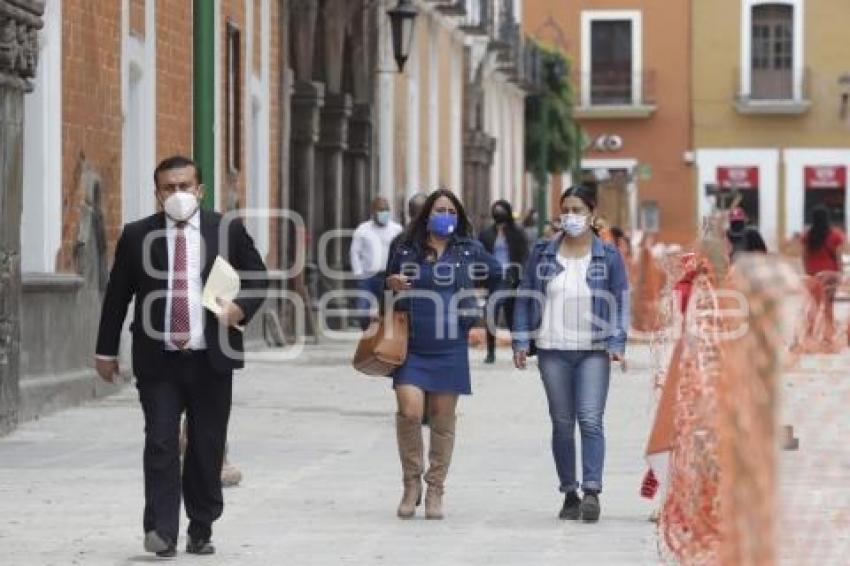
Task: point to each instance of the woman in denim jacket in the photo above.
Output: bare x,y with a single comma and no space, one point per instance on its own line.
434,270
573,300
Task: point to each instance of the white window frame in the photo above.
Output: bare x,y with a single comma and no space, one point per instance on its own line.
42,198
587,19
258,99
795,161
139,54
747,7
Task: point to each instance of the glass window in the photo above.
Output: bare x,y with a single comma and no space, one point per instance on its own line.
772,40
611,62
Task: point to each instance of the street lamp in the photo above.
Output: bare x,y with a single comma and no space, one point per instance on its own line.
402,20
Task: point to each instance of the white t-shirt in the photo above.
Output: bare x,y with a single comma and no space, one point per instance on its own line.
568,311
370,246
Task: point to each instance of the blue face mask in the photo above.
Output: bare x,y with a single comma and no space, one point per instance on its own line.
442,224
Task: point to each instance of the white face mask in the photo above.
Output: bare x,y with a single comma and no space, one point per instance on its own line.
180,206
382,217
574,224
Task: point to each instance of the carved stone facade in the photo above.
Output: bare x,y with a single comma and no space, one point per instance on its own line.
20,21
332,112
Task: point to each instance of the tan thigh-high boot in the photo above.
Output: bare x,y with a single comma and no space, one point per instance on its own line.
440,456
409,436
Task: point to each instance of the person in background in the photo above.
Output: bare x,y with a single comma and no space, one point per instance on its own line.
548,231
741,236
823,245
370,248
505,241
436,260
574,302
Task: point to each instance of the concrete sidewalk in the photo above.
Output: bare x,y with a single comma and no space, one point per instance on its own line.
315,442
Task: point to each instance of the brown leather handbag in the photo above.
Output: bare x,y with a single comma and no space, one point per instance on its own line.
383,347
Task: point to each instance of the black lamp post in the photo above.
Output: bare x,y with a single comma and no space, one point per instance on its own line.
402,20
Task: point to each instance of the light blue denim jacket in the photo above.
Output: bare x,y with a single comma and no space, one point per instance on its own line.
608,282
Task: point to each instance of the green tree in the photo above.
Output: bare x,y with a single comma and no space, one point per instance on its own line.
553,140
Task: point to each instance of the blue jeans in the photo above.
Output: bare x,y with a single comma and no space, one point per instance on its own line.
576,384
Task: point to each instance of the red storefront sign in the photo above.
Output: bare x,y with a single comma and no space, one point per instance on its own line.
738,177
826,177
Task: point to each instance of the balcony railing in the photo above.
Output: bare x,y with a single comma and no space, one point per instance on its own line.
611,94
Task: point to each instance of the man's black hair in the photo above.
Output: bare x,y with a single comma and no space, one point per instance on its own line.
175,162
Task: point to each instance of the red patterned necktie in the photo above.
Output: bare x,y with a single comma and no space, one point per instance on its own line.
179,292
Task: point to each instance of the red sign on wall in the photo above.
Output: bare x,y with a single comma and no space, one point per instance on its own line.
826,177
738,177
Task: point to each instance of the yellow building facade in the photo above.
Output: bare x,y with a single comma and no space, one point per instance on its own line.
771,109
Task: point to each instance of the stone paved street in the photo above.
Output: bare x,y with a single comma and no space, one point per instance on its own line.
316,444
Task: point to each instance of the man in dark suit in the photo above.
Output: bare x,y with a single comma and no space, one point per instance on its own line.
183,354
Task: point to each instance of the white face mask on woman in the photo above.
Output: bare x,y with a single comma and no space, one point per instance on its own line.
180,206
574,224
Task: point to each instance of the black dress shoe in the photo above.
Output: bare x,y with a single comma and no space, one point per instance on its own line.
203,547
167,553
160,545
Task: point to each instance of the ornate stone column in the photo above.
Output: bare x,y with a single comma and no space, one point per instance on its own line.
478,151
333,142
333,139
307,101
359,152
20,21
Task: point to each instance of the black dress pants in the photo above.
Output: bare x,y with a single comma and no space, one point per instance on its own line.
188,384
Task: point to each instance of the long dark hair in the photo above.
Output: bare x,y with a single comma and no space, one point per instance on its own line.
416,233
753,241
517,243
821,224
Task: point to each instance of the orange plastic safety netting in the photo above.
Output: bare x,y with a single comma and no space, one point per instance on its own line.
742,377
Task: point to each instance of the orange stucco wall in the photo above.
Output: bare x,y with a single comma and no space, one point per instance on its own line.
659,140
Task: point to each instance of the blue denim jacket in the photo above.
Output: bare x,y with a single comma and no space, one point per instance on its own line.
608,282
472,267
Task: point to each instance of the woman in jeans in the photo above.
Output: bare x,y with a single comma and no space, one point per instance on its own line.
574,299
434,269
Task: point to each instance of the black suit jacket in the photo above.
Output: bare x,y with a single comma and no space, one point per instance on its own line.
140,270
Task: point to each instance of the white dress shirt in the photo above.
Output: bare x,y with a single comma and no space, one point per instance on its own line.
192,233
370,246
568,311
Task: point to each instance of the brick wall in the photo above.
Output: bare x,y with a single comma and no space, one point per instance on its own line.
174,85
91,112
92,123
